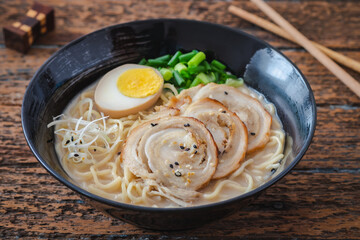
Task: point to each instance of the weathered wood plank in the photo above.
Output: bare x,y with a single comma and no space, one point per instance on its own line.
301,205
17,69
334,24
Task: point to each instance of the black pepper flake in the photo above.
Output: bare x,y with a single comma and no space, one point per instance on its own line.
187,149
118,153
226,93
252,133
178,173
194,146
171,166
76,155
72,138
187,125
223,111
50,140
182,147
67,142
153,124
195,152
176,163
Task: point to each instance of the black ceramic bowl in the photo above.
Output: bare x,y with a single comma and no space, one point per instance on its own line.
84,60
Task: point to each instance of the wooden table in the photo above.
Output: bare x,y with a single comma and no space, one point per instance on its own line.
319,199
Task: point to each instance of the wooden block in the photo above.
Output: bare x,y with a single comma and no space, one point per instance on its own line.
45,15
21,35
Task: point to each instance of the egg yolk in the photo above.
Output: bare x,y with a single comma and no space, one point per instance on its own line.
139,83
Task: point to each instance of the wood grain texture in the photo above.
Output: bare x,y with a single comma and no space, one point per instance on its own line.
322,21
318,200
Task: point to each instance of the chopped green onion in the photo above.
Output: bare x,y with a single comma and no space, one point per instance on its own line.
234,83
231,76
180,67
206,65
185,74
156,63
175,59
203,77
178,78
218,64
142,61
197,59
197,69
196,82
164,58
213,68
166,73
187,56
212,77
188,83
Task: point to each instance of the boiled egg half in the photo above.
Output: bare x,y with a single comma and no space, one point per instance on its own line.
128,89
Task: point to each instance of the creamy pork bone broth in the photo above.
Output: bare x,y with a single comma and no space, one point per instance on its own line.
206,144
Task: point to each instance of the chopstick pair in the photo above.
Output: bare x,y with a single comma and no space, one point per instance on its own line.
286,30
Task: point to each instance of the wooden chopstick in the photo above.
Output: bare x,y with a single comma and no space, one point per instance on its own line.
306,43
342,59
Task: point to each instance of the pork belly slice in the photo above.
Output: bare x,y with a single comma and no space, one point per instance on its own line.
179,153
248,109
228,131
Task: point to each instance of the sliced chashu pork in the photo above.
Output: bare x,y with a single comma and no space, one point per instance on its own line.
249,109
228,131
177,152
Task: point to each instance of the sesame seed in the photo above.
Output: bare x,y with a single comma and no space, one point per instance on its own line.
226,93
223,111
187,149
118,153
252,133
194,146
182,147
76,155
187,125
94,149
153,124
176,163
195,152
67,142
171,166
72,138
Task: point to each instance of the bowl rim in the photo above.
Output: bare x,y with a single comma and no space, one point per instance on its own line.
129,206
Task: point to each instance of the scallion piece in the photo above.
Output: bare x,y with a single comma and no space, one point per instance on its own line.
175,59
213,68
156,63
166,73
164,58
206,65
218,64
196,82
185,74
234,83
142,61
203,77
178,78
197,69
180,67
197,59
187,56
